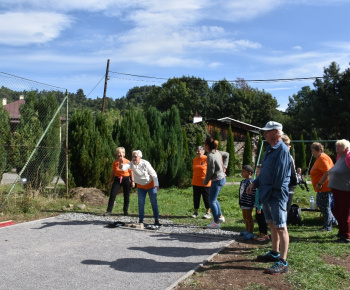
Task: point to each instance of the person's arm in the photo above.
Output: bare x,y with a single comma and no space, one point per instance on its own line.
132,178
322,180
111,177
210,170
225,158
152,173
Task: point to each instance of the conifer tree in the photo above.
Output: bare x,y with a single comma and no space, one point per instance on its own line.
157,154
247,153
291,147
173,141
5,140
230,148
107,150
36,115
217,137
199,140
84,149
260,150
134,133
302,153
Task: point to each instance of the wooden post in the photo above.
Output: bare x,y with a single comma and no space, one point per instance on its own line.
105,88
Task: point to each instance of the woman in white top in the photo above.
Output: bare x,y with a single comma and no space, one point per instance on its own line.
147,181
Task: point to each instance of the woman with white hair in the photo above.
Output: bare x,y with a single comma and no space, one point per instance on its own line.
120,178
339,182
147,182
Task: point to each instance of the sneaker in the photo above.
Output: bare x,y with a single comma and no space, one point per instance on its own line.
258,235
156,223
107,213
214,225
207,215
243,233
343,240
249,236
195,215
325,230
222,219
278,268
269,257
263,238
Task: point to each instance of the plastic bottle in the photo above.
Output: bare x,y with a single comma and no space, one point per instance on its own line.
312,202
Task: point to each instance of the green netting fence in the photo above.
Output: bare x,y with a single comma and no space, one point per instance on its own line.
33,137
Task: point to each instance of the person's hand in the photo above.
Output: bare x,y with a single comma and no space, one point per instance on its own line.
120,160
133,184
250,188
258,211
157,188
224,170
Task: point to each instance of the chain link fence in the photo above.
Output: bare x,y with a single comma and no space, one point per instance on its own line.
33,137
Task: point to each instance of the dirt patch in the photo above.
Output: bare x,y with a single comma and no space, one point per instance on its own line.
233,268
90,196
343,261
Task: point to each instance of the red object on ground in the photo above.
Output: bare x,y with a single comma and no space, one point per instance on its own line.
7,223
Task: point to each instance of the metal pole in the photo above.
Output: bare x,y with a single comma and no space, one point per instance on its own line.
67,177
105,88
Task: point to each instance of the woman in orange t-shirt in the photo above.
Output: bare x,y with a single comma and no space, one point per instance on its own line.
199,172
319,179
120,178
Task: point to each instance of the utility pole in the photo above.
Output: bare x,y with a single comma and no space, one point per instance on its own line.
105,89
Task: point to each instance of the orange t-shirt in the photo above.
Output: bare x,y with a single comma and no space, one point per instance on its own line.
117,171
199,171
321,165
146,186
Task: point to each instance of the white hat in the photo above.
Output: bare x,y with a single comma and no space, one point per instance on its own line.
272,125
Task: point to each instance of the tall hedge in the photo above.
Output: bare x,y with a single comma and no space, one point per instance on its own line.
247,153
230,148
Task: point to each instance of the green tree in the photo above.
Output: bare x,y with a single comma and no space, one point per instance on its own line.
134,133
43,166
230,148
107,150
247,153
5,141
217,137
260,150
85,143
302,153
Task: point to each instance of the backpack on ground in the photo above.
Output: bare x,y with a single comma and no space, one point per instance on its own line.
294,215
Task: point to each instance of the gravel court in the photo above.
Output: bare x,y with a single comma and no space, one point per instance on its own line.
55,253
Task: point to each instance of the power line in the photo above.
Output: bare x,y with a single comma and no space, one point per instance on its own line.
230,81
95,86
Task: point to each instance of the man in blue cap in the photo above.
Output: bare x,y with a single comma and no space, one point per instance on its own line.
273,188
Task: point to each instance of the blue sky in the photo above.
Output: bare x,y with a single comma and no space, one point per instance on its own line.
67,43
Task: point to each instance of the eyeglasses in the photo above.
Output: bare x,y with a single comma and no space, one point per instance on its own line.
135,156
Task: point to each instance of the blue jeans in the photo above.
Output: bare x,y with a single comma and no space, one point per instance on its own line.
141,194
323,200
213,195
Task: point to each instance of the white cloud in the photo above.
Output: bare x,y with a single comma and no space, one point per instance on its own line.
17,28
297,47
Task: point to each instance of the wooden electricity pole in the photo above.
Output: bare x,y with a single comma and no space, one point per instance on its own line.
105,88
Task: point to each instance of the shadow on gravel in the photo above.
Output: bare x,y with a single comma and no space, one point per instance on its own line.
70,223
174,251
136,265
186,237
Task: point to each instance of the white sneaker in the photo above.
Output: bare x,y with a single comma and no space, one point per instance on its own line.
222,219
195,215
214,225
207,215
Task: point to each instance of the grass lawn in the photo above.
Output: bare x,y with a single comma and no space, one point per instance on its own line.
309,248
